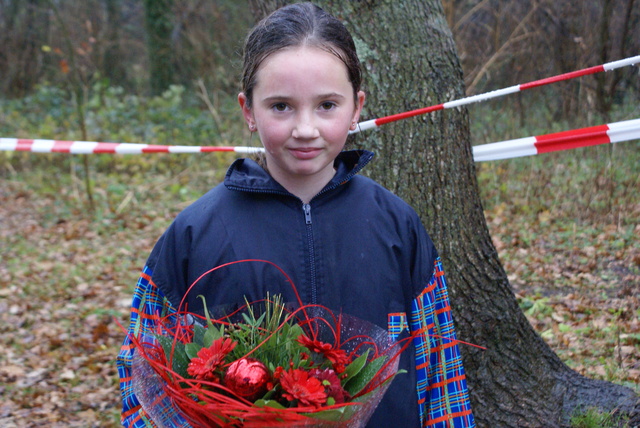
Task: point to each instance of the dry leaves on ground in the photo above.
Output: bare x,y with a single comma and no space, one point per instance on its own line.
65,281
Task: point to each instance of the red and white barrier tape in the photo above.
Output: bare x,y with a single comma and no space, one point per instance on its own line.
573,139
584,137
374,123
89,147
502,150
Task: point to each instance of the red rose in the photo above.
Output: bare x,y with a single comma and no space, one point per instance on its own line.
248,378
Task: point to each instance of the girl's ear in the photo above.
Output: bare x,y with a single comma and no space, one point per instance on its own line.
246,111
360,97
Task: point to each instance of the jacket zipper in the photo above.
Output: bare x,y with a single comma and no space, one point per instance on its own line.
312,259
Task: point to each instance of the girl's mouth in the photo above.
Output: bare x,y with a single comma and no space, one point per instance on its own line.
305,153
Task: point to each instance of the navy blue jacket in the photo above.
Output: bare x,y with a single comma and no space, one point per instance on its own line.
355,248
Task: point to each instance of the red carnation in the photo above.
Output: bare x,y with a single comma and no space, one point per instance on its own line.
210,359
331,383
338,357
298,385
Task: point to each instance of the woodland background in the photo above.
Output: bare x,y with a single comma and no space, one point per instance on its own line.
75,230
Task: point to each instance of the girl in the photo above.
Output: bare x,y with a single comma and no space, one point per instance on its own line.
346,242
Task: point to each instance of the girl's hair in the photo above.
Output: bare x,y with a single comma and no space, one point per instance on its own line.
301,24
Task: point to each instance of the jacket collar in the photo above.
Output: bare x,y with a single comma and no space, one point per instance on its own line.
247,175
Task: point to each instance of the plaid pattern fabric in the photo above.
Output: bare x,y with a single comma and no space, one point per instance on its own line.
442,388
397,323
148,302
440,380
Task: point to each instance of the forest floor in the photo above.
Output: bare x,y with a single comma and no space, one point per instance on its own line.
66,280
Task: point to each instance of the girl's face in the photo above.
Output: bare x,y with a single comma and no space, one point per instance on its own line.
303,108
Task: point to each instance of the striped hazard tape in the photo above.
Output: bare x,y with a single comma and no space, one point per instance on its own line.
90,147
374,123
528,146
566,140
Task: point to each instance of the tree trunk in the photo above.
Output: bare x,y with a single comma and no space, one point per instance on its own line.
26,26
158,26
603,99
113,58
612,47
410,61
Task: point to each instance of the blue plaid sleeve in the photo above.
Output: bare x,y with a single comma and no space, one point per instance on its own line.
443,399
148,301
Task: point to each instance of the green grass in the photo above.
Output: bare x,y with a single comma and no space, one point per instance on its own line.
592,418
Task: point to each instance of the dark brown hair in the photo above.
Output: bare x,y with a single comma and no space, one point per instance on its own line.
300,24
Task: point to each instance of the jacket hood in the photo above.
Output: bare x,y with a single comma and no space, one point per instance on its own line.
247,175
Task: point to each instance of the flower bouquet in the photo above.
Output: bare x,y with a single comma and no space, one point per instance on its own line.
265,364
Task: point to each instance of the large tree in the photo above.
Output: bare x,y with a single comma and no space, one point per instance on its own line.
159,29
23,32
113,56
410,61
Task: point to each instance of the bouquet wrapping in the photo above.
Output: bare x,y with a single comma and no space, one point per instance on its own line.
264,364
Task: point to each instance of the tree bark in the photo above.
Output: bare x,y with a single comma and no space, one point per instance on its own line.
158,26
410,61
25,32
112,61
603,99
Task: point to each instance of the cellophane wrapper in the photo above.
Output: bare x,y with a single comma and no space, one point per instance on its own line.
151,389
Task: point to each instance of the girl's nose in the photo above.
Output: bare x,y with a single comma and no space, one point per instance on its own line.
305,128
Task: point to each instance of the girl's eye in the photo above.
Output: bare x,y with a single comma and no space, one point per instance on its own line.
279,107
327,105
